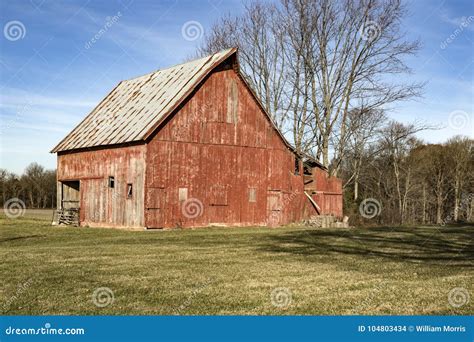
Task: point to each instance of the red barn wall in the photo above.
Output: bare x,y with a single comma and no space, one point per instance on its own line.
328,194
216,161
217,148
100,205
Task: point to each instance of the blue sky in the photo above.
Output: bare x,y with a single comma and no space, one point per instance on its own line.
53,71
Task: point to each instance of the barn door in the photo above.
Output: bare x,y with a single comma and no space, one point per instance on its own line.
274,208
155,199
94,203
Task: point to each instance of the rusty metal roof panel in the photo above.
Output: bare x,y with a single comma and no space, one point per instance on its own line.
134,107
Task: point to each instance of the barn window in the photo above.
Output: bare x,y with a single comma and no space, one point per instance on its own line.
111,182
252,195
182,194
297,166
129,190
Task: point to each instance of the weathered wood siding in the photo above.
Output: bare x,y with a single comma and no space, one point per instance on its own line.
198,150
220,156
101,205
328,193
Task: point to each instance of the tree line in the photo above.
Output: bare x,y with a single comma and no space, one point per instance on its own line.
391,177
36,187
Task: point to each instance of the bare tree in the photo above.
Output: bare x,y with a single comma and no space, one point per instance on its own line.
459,160
414,182
398,141
258,36
358,45
365,127
36,187
312,62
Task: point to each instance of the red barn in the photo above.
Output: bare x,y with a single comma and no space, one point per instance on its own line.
187,146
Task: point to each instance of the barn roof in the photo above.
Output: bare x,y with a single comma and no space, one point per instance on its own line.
134,108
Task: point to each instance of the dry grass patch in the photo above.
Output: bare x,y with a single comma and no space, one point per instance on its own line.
384,270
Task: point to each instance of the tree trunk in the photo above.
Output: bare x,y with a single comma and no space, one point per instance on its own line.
456,199
396,173
424,205
30,195
325,150
470,211
356,187
439,203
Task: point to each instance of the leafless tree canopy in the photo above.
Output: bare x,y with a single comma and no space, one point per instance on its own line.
313,62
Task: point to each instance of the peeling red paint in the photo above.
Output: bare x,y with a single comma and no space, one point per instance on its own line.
216,160
202,149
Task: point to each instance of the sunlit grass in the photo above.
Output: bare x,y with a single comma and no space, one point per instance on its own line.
55,270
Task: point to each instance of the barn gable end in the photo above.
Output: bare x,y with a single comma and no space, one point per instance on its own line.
221,156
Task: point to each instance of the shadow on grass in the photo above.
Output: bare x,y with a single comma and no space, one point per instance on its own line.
22,238
448,246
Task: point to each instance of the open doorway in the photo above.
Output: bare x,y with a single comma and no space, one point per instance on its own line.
68,209
70,195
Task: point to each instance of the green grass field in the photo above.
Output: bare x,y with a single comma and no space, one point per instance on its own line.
243,271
